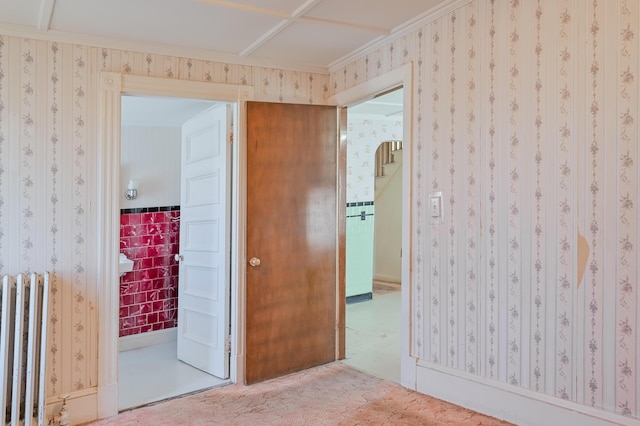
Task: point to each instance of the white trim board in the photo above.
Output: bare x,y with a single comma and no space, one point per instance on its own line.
111,87
150,338
401,76
514,404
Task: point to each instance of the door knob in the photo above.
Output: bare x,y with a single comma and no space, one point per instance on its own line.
178,258
254,261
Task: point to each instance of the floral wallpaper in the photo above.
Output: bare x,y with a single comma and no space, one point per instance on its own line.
48,126
364,135
526,117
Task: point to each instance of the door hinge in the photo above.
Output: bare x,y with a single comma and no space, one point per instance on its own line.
231,137
227,344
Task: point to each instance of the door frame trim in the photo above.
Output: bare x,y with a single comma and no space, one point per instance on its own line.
107,184
401,76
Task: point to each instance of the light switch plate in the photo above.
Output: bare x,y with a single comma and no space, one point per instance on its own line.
436,213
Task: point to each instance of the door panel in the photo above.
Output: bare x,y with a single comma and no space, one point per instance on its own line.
203,290
292,230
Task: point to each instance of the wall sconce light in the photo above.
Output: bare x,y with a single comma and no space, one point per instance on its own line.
132,190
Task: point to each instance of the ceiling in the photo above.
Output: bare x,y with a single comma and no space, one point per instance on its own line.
301,34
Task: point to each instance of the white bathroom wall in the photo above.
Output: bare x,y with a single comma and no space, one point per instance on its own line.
151,156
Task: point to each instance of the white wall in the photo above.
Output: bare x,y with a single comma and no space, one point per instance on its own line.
526,117
151,156
387,264
364,134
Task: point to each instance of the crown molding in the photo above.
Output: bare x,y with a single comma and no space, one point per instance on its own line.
152,48
426,18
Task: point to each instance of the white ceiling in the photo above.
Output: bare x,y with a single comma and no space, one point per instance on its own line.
301,34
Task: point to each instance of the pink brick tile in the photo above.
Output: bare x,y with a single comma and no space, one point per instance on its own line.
167,315
127,322
158,306
124,311
161,261
135,218
127,231
127,299
134,310
140,252
157,239
158,283
146,285
140,229
153,295
146,308
169,324
141,320
153,229
151,240
173,282
147,262
129,287
159,217
147,218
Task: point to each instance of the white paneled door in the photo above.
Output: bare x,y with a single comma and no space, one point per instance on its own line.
203,289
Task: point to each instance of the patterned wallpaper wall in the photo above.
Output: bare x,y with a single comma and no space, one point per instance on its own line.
48,127
526,116
363,138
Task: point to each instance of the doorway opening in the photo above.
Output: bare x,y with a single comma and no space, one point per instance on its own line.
374,234
168,155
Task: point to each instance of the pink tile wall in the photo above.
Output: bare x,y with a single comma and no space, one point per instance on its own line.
149,293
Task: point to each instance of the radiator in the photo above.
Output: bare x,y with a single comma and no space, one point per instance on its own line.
23,331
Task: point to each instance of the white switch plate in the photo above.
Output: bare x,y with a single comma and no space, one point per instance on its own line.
434,204
436,214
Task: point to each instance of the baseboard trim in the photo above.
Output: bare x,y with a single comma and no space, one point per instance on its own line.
81,405
387,278
511,403
359,298
142,340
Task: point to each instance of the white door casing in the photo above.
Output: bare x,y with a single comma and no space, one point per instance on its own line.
104,403
204,284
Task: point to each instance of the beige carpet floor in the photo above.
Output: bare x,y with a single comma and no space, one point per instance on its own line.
332,394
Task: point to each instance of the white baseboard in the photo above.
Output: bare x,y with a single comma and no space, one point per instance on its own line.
150,338
81,405
513,404
387,278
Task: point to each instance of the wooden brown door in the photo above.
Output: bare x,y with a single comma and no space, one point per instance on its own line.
291,238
